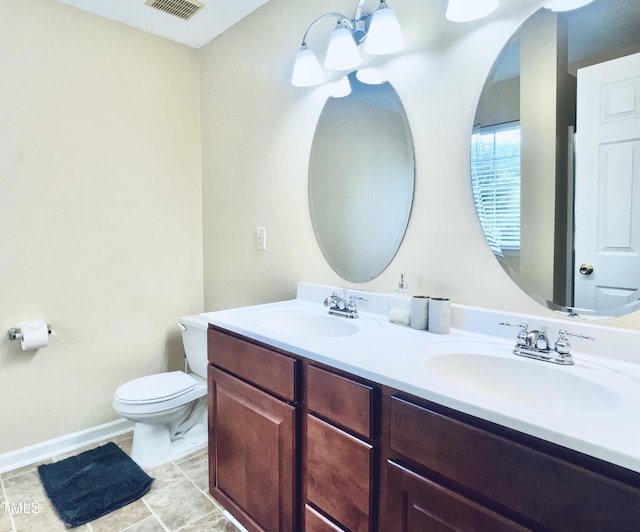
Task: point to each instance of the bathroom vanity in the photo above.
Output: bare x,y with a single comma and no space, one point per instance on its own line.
280,425
303,439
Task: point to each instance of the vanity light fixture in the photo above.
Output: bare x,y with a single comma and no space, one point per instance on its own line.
340,88
307,72
379,32
370,76
468,10
565,5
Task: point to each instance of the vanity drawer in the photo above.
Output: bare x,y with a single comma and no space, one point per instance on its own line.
265,368
340,400
315,522
547,490
338,474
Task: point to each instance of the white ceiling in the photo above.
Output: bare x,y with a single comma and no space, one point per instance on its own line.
214,18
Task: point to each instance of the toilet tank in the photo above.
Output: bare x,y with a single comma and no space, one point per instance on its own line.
194,339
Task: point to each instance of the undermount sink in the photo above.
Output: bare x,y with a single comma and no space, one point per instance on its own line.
490,370
310,325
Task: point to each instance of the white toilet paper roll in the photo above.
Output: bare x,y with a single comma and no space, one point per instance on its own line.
34,335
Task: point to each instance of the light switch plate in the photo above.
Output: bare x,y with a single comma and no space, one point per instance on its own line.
261,238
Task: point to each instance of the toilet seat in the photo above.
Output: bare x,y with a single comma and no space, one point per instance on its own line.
156,388
171,391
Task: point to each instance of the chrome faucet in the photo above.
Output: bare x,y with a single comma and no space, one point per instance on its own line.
341,306
537,340
535,344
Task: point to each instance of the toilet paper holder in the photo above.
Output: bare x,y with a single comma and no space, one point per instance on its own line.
15,333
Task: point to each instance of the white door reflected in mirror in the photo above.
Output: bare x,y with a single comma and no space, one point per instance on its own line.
607,184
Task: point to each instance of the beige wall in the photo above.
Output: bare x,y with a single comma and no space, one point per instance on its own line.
257,134
100,212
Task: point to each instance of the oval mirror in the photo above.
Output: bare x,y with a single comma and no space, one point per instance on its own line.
555,158
361,180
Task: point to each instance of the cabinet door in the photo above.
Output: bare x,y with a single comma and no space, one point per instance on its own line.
338,474
416,504
252,452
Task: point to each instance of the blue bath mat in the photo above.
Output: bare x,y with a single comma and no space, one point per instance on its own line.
92,484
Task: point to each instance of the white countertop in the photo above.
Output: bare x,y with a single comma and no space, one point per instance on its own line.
606,425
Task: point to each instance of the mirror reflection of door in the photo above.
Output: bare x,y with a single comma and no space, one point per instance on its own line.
607,184
532,86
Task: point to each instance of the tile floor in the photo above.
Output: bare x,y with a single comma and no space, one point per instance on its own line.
178,500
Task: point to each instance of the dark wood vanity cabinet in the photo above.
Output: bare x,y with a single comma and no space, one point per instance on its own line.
290,443
253,433
444,473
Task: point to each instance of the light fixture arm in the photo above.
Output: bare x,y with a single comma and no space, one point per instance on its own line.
352,24
358,12
315,23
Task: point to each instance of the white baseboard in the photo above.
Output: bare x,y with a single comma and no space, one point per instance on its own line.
46,450
234,521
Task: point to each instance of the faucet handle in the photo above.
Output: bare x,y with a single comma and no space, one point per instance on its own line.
330,300
582,336
353,306
523,326
521,339
563,346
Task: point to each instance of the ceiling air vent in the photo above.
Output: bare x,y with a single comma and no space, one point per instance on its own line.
184,9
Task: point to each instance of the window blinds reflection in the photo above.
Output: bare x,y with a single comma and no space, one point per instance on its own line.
495,178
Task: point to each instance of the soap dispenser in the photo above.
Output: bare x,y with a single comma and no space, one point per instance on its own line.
400,304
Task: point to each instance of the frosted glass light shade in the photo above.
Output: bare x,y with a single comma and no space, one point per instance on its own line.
467,10
342,53
307,71
340,88
370,76
384,36
566,5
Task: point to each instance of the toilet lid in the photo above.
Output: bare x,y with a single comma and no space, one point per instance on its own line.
156,388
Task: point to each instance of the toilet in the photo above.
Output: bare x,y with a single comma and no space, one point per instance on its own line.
169,409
